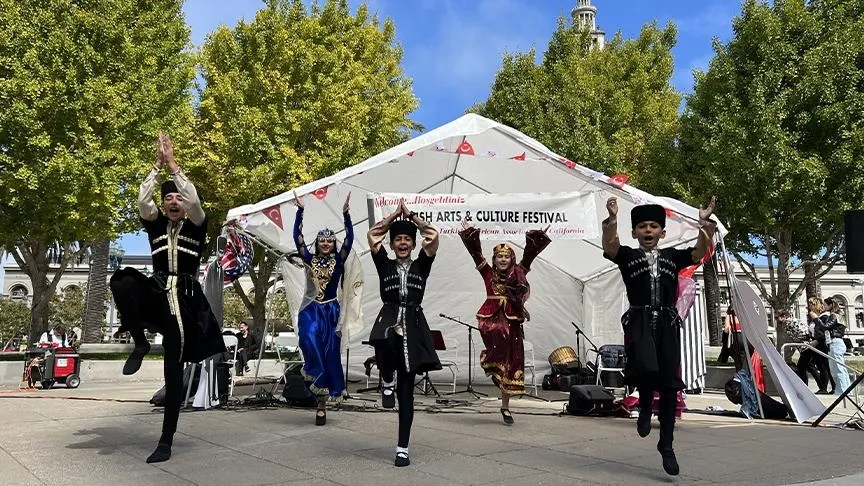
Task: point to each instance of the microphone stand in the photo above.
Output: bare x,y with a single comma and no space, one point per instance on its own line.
470,388
580,332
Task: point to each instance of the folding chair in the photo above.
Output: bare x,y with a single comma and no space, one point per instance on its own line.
529,365
230,341
449,363
610,359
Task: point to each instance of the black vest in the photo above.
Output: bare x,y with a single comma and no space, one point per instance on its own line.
176,248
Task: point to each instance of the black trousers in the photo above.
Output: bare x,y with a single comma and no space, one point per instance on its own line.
817,366
665,412
242,359
126,296
390,359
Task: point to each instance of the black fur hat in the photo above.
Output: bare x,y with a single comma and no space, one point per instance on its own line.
403,227
648,212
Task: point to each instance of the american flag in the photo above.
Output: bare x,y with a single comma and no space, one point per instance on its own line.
237,258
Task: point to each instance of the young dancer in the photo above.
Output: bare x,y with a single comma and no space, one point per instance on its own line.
318,321
400,335
501,316
171,300
652,327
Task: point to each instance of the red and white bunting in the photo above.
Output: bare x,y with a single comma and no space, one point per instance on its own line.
274,213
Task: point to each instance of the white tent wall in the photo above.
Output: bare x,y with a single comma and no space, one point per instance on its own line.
570,281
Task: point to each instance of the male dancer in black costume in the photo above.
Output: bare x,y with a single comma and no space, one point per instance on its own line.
170,301
652,327
400,335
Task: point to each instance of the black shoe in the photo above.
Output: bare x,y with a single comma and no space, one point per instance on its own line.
246,369
388,397
508,417
161,454
402,459
643,423
670,462
823,392
322,418
133,362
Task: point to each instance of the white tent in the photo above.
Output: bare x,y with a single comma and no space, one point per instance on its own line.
571,281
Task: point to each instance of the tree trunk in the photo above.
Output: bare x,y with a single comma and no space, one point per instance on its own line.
812,286
782,300
33,259
711,287
259,274
97,289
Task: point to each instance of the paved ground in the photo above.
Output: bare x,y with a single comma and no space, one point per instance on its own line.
100,434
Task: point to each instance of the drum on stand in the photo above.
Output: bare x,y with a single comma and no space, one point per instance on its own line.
563,359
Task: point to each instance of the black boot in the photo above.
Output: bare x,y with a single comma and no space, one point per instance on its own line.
643,423
161,454
133,362
668,400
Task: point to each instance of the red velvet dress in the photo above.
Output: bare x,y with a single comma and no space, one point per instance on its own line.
501,316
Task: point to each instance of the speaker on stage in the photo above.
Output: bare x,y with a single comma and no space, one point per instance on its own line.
590,400
853,229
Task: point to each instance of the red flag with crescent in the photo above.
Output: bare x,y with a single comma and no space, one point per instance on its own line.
465,148
320,193
520,157
618,180
569,163
274,213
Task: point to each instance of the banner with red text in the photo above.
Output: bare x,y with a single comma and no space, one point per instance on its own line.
569,216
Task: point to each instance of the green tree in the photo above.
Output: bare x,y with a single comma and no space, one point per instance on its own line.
85,85
14,318
233,310
775,128
613,110
290,97
67,309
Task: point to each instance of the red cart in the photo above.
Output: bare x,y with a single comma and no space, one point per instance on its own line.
60,365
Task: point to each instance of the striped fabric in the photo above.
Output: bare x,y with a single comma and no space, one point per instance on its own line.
693,369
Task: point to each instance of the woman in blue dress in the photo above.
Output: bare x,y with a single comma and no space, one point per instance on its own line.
318,321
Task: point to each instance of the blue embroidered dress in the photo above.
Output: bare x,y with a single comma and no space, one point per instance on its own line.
317,322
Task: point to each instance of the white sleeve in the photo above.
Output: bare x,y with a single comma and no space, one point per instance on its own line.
146,206
43,338
190,198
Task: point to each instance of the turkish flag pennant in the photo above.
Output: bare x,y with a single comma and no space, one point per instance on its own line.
410,154
320,193
569,163
275,215
618,180
520,157
669,213
465,148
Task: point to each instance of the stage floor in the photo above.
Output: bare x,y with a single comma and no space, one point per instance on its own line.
101,433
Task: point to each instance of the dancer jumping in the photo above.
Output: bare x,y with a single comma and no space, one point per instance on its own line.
318,320
501,316
652,327
400,335
171,300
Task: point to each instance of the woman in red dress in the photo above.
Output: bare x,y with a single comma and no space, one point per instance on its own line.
501,316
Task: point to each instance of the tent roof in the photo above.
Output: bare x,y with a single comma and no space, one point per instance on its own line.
471,154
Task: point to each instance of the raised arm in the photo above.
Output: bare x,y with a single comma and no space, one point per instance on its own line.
299,242
471,239
707,228
376,234
191,202
146,205
611,243
349,230
430,242
535,242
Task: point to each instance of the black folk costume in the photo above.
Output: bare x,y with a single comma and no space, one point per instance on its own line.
401,337
170,301
652,326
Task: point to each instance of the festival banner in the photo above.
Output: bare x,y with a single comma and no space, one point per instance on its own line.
569,216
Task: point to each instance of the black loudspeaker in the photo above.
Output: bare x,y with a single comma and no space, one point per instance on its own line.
590,400
853,230
296,393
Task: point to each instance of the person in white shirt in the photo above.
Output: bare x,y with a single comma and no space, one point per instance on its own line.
55,338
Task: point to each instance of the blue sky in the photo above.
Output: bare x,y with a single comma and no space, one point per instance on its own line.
453,48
